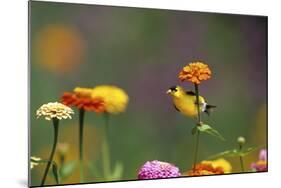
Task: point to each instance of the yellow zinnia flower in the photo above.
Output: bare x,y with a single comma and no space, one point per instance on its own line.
115,98
222,163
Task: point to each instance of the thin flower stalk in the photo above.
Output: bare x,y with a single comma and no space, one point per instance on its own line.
81,128
196,72
53,111
83,100
115,102
198,124
62,149
105,149
241,163
56,132
241,141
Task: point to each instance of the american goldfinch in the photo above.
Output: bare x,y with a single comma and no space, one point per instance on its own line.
185,102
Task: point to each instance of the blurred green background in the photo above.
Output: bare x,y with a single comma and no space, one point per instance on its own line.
142,51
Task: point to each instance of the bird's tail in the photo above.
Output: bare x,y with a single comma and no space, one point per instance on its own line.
209,109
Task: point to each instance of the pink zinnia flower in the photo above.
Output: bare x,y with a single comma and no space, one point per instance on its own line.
263,155
261,164
157,169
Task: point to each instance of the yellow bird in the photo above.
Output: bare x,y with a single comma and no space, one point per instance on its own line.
185,101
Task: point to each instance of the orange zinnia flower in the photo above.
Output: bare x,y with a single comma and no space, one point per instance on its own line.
205,169
195,72
82,101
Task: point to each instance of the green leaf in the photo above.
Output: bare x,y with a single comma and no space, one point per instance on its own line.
228,153
194,130
117,172
68,168
209,130
234,153
248,151
56,173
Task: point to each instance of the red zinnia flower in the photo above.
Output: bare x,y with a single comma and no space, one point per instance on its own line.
81,101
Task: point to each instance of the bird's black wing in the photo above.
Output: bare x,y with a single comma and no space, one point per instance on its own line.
176,108
190,93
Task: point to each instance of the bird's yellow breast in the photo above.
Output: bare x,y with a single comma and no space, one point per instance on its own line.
186,105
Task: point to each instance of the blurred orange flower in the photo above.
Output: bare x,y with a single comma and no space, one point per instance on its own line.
205,169
195,72
82,99
62,148
59,48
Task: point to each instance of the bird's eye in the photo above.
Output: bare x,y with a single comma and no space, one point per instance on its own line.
174,89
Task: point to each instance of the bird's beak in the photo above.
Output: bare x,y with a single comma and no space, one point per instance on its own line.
168,92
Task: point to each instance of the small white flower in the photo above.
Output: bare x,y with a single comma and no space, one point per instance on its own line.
33,163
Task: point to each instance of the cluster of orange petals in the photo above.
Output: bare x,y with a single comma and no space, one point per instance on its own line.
205,169
195,72
83,102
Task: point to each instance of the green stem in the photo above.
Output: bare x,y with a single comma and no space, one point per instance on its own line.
241,163
81,127
105,149
241,159
56,131
198,124
62,159
196,150
197,103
